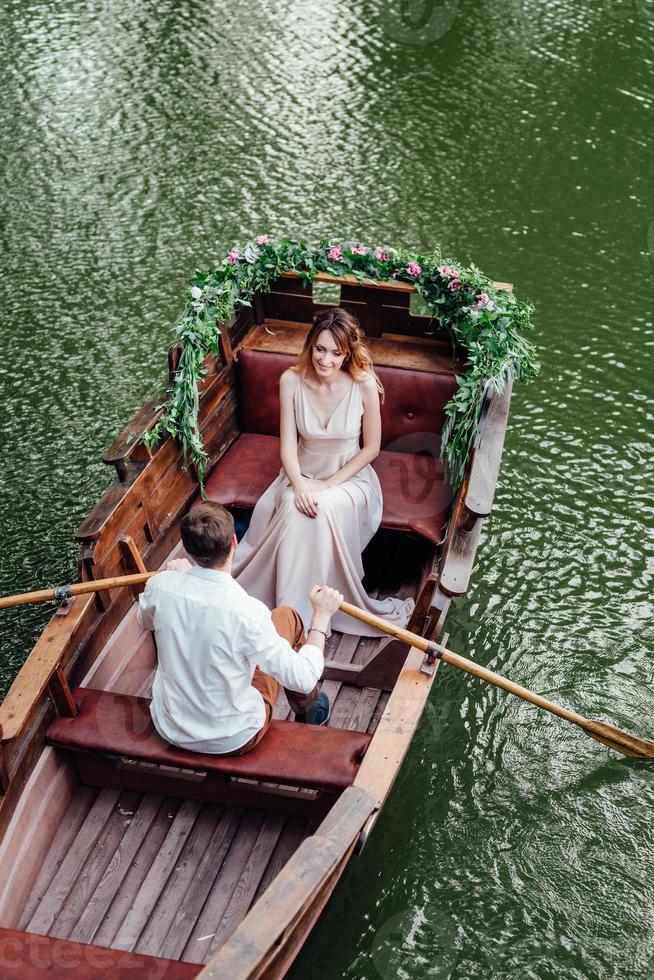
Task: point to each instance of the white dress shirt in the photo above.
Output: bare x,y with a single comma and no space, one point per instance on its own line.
210,636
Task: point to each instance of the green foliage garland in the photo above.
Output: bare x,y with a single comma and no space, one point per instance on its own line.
488,324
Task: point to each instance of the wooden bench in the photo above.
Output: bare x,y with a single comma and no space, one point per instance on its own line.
416,497
112,737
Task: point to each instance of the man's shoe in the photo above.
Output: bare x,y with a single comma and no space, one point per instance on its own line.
318,714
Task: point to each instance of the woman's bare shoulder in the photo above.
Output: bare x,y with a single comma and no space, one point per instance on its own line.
288,380
367,381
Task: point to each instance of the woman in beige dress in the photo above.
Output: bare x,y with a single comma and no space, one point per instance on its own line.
312,524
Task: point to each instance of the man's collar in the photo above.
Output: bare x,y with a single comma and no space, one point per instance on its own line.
212,574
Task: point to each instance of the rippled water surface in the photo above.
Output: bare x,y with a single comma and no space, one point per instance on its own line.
139,141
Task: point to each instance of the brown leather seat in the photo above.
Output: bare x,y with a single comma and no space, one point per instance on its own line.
289,753
413,406
416,498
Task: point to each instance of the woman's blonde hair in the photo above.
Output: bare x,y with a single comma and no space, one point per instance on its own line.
344,328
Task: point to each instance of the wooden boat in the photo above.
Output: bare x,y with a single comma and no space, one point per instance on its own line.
122,856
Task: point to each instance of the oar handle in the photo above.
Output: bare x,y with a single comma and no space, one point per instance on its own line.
414,640
78,588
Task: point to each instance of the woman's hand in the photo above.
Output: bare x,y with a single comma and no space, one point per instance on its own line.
305,496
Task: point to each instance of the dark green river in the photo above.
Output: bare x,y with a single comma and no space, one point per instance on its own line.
142,140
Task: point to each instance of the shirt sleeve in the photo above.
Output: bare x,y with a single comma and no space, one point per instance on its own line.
145,611
297,670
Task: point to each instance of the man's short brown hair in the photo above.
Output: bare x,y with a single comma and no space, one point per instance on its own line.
207,532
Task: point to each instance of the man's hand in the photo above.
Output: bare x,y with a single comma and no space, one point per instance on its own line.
325,602
178,565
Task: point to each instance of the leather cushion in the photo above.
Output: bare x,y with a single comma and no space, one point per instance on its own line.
414,402
290,753
416,499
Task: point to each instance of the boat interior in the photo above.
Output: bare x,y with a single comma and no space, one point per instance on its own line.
169,873
122,841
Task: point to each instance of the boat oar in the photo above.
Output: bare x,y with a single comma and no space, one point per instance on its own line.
61,593
615,738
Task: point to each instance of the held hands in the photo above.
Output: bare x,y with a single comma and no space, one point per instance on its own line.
305,497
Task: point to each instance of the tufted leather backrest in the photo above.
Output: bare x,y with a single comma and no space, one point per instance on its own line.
414,402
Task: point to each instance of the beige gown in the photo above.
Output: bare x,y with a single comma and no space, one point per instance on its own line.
285,553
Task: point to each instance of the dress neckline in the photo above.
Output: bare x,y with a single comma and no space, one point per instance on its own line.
334,411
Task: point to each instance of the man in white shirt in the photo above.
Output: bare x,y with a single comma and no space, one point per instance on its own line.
223,657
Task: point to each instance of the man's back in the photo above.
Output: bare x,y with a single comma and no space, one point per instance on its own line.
210,635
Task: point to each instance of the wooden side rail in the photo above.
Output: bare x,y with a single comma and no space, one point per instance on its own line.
268,938
475,498
394,733
487,455
4,772
127,445
43,670
349,280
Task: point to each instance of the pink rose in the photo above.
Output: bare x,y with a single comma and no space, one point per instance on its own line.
455,285
482,299
233,256
448,272
381,255
335,253
413,269
262,240
359,250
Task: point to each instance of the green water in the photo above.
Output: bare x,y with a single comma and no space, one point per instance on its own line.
139,141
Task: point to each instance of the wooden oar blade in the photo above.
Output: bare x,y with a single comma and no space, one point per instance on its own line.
615,738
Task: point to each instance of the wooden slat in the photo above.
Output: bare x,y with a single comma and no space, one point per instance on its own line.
140,909
364,709
144,689
65,878
205,876
143,421
159,923
344,654
116,871
62,841
343,705
288,307
95,866
223,887
293,833
303,887
248,882
346,697
139,868
378,713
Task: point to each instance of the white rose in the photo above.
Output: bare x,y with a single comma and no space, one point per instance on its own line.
196,292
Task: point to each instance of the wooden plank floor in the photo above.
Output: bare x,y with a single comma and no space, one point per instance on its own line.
172,877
